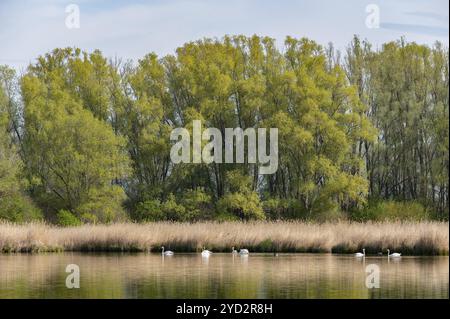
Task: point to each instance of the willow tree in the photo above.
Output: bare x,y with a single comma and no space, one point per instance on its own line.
220,83
405,86
375,125
246,82
143,117
15,205
321,121
72,157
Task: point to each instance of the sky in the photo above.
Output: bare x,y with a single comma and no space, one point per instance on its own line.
131,29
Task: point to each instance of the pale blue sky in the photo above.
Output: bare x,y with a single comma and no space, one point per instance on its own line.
130,29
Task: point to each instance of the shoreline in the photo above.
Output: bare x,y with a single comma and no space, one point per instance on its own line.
409,238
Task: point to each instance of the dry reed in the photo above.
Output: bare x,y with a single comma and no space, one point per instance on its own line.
411,238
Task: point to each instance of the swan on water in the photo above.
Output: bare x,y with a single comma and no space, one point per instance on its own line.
206,253
167,252
363,254
393,254
243,252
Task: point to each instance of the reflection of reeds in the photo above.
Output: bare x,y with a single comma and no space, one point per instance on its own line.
424,238
223,276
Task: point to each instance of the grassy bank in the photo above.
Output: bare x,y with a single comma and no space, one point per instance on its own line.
421,238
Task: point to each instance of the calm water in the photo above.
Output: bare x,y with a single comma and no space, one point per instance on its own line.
222,276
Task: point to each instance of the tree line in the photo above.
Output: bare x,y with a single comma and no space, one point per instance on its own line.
362,134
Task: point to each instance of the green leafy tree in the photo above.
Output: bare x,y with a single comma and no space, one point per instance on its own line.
15,205
366,131
73,159
405,88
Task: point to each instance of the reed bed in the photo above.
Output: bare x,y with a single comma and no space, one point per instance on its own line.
410,238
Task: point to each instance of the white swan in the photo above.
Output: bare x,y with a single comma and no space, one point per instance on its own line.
233,251
167,252
206,253
363,254
393,254
243,252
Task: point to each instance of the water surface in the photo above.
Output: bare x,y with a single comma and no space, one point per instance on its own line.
221,276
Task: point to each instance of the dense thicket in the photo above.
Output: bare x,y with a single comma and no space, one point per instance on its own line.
405,87
88,137
15,205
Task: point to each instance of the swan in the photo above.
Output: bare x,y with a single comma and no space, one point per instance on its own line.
243,252
167,252
233,251
206,253
363,254
393,254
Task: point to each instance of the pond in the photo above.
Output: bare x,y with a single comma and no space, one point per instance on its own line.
222,276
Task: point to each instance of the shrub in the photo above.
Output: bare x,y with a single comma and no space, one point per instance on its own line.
172,210
332,215
241,201
275,208
244,205
283,208
226,217
15,205
193,205
391,211
66,218
19,209
197,204
148,211
103,205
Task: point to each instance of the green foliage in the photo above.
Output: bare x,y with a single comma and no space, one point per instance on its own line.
197,204
226,217
172,210
18,208
241,201
391,211
67,219
142,114
72,157
405,87
103,205
194,205
276,208
15,205
82,135
244,205
148,211
284,209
